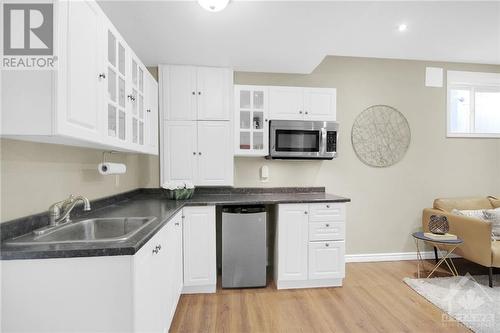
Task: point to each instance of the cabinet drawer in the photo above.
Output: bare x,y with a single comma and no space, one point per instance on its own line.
323,231
326,260
327,212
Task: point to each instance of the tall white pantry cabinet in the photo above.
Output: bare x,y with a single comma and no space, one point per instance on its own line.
196,125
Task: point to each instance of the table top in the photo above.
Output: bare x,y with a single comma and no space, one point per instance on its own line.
420,235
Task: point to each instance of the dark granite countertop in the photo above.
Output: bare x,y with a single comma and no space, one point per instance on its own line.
145,203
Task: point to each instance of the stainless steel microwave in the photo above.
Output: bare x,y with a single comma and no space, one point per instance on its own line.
292,139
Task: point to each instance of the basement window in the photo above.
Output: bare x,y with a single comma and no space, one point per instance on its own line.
473,104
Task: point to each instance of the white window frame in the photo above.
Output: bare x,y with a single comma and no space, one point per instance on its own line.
472,81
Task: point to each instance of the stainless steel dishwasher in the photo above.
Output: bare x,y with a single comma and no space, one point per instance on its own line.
244,253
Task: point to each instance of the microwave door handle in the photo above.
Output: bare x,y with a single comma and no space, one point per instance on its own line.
323,141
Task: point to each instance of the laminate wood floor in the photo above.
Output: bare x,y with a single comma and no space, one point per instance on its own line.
373,299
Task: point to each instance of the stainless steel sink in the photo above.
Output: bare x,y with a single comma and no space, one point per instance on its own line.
87,231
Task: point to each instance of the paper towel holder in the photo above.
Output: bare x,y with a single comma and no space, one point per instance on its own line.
104,157
107,152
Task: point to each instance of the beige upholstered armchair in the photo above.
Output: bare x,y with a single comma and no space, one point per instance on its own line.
478,246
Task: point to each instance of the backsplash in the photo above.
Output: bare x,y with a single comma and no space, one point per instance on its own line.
35,175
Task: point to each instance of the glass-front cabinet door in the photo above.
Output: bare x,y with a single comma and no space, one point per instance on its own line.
137,101
116,116
251,120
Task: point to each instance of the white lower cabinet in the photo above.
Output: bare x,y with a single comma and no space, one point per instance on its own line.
200,271
310,245
292,242
157,268
136,293
326,260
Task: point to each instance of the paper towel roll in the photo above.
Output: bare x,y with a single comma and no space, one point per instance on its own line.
111,168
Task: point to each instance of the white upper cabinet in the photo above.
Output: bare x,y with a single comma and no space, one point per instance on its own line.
96,95
178,87
213,91
195,93
197,151
286,103
151,116
320,104
297,103
115,96
179,151
79,114
251,120
215,158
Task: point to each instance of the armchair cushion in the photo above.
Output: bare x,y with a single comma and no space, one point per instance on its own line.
448,204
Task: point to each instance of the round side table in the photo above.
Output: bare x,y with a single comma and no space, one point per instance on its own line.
445,246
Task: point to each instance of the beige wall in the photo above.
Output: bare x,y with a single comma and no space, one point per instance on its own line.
386,203
35,175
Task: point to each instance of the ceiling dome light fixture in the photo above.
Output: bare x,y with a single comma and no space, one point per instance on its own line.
402,27
213,5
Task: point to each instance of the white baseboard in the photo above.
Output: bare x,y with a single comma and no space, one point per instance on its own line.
309,283
205,289
395,256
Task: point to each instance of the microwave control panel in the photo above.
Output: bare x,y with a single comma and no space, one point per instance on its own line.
331,141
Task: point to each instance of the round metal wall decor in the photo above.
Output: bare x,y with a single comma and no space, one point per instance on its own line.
380,136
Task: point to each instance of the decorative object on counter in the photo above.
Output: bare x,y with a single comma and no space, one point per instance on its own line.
380,136
179,190
108,168
438,224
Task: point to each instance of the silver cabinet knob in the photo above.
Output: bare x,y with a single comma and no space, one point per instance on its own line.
305,212
148,110
193,93
300,112
327,225
327,206
199,153
176,223
194,153
199,92
102,76
307,112
327,245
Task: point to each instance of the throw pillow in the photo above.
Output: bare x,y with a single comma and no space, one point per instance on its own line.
493,215
478,214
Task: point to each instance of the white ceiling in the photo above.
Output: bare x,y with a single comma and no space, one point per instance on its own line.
294,36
